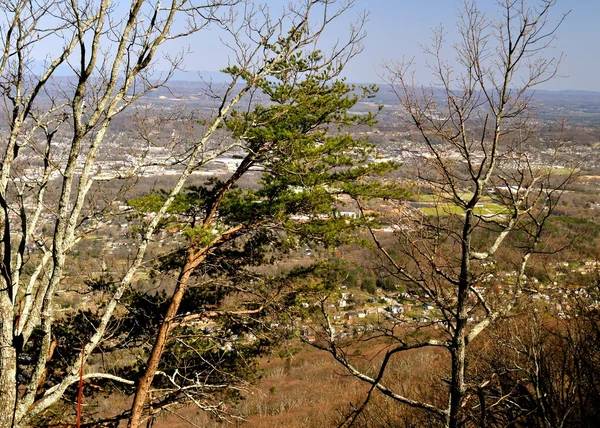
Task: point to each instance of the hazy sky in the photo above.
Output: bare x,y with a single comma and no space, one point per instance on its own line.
396,28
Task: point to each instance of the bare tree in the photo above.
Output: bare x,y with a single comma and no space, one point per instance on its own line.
541,360
467,260
57,129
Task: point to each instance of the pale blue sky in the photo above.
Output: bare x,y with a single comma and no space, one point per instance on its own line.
396,28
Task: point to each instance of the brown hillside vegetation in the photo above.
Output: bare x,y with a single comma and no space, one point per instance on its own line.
311,390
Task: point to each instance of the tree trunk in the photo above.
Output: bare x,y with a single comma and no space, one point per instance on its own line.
8,371
145,382
457,386
458,348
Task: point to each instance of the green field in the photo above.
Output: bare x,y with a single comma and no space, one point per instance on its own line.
440,205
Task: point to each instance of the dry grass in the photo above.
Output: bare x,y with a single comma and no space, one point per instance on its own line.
314,391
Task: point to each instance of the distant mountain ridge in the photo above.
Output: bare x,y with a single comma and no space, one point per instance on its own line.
220,77
576,106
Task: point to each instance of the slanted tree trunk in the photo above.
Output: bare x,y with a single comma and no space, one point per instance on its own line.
145,382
